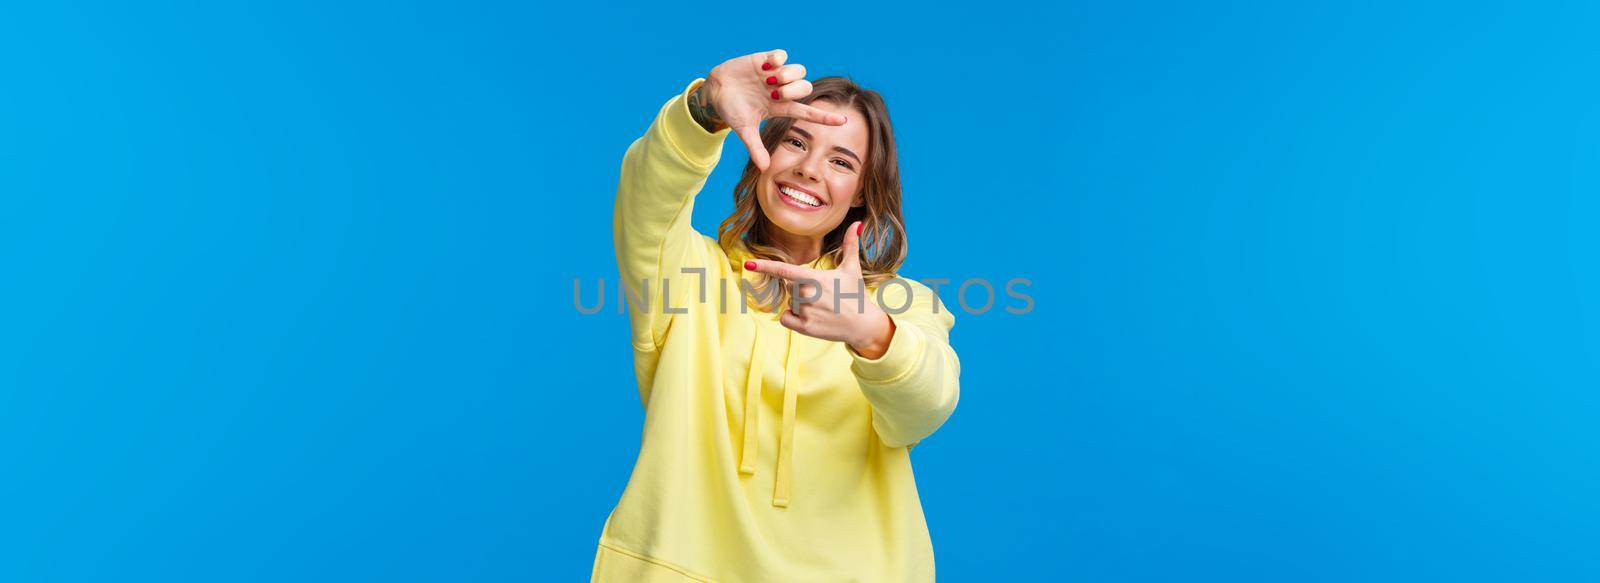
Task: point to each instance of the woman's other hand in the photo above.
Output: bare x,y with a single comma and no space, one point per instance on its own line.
833,304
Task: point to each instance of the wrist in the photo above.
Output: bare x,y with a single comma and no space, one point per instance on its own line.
701,107
875,343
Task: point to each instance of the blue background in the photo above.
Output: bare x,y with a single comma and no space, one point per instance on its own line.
288,285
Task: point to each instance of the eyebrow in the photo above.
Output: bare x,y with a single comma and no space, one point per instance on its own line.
840,149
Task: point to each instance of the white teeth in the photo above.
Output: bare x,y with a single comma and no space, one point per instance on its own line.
800,196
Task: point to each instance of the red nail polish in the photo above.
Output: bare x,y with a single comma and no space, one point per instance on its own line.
750,265
772,80
766,66
774,94
858,229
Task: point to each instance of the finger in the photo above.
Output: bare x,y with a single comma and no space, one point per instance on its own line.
802,111
804,291
771,60
792,321
778,269
793,90
851,260
807,293
751,136
787,74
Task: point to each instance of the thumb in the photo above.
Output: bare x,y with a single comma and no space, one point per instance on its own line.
751,135
851,260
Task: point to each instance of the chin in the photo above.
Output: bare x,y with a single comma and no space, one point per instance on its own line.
782,222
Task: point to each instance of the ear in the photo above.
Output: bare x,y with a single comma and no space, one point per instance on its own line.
859,200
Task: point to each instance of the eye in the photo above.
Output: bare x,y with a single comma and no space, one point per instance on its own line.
843,163
795,142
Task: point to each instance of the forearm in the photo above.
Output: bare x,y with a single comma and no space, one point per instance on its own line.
914,379
661,174
913,386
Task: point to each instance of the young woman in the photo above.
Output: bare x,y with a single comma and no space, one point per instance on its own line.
779,409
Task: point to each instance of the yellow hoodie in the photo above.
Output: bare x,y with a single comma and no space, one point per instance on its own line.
767,455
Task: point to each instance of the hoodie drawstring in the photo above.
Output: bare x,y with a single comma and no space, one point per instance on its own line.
752,413
791,396
752,398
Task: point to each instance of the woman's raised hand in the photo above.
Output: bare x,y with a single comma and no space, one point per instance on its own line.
745,90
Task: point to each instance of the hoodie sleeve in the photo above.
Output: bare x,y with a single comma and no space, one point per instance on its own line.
661,174
914,385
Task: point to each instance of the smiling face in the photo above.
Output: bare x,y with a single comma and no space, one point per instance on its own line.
815,174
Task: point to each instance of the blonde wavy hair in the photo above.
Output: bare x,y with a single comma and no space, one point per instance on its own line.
883,231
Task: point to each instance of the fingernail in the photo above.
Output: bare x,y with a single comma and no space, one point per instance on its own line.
766,66
774,94
772,80
858,228
750,265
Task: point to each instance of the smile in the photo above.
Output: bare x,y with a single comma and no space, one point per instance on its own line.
798,197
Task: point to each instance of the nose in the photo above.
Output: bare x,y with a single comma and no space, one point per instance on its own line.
809,168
